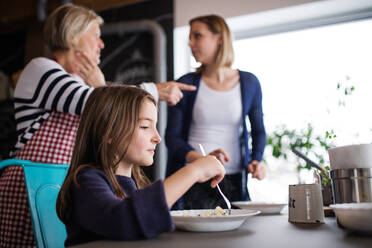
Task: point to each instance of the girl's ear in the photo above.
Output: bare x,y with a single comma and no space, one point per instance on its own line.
109,141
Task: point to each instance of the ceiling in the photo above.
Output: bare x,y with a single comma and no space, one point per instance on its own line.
17,14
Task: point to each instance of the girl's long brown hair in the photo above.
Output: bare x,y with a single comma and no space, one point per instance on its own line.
105,131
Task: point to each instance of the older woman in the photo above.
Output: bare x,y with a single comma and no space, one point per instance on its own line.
215,115
49,98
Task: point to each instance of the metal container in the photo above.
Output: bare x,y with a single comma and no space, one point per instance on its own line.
351,185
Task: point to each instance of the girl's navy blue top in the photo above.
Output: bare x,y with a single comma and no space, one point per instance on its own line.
97,213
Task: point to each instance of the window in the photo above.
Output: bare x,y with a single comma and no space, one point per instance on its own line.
299,73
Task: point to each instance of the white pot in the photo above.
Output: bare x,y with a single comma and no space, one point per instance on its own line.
350,157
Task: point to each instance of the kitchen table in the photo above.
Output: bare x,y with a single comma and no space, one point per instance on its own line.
258,231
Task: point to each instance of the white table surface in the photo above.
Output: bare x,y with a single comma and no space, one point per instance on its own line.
258,231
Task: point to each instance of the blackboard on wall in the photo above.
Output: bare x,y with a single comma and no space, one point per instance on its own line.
128,57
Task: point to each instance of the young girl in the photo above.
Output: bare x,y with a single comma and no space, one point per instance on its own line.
105,194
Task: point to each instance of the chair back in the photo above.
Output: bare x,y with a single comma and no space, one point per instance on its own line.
43,182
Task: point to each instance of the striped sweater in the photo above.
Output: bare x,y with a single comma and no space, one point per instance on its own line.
44,86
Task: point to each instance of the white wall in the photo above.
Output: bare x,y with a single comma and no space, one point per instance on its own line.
184,10
251,18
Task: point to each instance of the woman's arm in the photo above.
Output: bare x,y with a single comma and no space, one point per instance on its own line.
179,118
171,92
258,132
45,85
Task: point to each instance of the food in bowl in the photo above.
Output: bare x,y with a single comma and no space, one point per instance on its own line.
217,211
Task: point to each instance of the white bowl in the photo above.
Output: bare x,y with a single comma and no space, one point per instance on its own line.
189,220
350,157
264,207
354,216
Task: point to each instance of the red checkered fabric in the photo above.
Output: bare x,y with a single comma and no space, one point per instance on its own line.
52,143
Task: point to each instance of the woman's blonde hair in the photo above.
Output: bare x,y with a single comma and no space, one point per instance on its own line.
217,25
106,128
66,24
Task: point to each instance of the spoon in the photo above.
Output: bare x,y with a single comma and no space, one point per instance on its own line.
308,160
218,187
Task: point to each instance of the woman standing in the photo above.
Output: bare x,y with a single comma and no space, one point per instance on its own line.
49,98
215,116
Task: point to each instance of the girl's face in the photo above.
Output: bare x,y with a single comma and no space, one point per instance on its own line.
203,43
142,147
90,43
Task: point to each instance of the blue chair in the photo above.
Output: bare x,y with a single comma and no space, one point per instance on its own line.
43,182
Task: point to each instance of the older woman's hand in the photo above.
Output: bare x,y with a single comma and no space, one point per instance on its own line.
171,92
89,71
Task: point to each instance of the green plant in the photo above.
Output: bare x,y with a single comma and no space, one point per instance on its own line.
283,140
324,174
